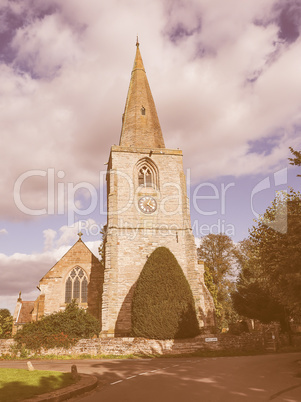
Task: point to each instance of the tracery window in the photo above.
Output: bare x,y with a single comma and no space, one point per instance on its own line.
147,173
76,286
145,178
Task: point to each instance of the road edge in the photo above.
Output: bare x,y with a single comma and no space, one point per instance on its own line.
85,384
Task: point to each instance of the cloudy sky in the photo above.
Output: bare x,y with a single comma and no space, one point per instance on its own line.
225,76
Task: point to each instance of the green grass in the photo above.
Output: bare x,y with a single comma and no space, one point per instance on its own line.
18,384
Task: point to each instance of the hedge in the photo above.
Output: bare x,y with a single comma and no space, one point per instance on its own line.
163,306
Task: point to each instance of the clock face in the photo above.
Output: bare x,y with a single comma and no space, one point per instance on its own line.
147,204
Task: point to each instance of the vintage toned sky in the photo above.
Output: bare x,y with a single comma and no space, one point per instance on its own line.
225,76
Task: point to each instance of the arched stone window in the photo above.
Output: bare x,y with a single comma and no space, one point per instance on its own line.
147,173
76,286
145,178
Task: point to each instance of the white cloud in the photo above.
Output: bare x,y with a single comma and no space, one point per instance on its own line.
69,234
64,92
3,232
22,272
49,236
9,302
46,45
220,80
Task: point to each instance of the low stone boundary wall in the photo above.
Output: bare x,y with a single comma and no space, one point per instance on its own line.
140,346
6,346
297,339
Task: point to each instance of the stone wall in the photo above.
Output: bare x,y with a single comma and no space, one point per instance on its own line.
296,339
5,346
284,339
140,346
53,283
133,235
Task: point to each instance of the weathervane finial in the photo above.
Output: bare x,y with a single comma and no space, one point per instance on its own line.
137,42
80,235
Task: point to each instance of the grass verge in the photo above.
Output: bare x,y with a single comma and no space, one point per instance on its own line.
19,384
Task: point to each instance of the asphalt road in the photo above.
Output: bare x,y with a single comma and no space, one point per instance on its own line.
252,378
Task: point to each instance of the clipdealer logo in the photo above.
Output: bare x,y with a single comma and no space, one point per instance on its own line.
62,198
279,223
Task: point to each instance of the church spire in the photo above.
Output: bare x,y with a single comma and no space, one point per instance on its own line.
140,123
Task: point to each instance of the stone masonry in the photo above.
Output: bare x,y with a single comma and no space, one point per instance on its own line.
52,286
141,346
147,208
132,234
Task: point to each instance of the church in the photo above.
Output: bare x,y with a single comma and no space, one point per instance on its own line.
147,207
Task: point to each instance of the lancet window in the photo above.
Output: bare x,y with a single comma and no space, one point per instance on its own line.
76,286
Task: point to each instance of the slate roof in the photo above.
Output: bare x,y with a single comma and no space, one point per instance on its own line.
25,313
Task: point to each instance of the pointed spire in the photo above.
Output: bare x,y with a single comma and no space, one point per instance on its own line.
138,63
140,123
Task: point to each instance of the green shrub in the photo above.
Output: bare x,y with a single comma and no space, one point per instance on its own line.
6,323
238,328
163,306
60,329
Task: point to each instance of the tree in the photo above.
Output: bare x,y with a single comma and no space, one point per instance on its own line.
221,257
252,297
208,279
101,248
6,323
272,276
60,329
163,305
279,251
296,161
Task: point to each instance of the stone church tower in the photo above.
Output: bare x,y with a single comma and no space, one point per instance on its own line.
147,208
